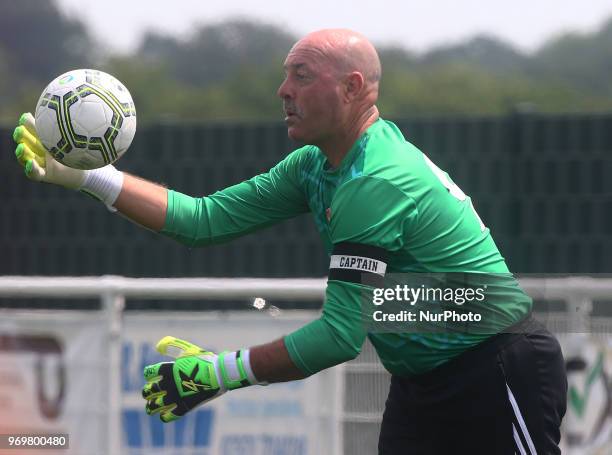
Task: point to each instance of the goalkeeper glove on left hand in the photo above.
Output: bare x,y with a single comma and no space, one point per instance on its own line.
195,377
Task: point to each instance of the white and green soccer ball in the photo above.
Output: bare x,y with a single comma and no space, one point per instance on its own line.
86,119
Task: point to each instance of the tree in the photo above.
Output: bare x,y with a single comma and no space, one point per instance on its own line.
40,42
486,53
215,52
583,61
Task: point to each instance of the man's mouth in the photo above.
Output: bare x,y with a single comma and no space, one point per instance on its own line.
291,114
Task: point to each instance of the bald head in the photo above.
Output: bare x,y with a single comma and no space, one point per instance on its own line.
345,51
330,89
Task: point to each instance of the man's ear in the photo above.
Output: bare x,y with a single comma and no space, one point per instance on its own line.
353,85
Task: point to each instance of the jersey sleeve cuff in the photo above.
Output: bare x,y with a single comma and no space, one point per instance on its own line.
181,212
295,357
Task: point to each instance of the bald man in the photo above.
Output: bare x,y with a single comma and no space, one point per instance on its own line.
381,208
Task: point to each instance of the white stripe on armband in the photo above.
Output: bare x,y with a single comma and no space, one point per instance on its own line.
360,263
231,366
215,359
245,355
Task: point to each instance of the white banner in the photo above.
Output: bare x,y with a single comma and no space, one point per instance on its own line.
54,378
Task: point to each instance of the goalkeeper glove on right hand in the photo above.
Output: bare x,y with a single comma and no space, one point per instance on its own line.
37,162
195,377
104,183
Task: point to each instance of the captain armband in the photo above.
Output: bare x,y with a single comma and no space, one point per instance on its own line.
358,263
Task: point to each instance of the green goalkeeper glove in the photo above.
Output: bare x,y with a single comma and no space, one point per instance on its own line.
195,377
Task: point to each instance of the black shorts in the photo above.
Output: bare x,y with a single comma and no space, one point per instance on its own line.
505,396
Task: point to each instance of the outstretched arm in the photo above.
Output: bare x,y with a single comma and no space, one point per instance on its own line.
227,214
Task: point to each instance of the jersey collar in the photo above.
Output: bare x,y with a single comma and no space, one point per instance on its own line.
355,151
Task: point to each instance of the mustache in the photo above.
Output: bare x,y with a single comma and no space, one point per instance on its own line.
290,108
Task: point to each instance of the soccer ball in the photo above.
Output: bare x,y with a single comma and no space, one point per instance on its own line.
86,119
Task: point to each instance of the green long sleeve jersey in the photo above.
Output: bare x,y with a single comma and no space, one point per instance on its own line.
387,205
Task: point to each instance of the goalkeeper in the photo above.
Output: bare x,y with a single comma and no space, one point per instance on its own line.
380,206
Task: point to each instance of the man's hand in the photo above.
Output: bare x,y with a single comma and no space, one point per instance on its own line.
38,164
195,377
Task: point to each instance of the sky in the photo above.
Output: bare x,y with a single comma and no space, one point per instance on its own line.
417,26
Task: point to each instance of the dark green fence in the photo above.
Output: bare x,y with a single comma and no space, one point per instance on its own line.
540,182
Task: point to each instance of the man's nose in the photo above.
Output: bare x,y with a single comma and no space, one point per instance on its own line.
284,91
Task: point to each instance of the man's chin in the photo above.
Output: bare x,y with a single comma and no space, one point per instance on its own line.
294,134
